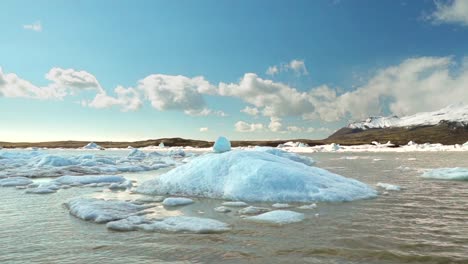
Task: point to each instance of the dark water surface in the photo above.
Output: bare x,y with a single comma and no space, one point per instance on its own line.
426,222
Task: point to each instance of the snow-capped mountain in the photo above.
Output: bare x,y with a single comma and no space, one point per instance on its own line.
454,113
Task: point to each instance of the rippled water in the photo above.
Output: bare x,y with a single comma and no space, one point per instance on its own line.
426,222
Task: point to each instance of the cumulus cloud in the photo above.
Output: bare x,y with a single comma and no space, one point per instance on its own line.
127,98
415,85
451,12
296,66
294,129
177,92
63,82
275,124
36,26
203,129
242,126
250,111
275,99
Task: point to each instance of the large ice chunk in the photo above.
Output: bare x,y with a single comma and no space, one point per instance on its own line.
15,181
177,201
221,145
456,173
68,180
255,176
278,217
102,211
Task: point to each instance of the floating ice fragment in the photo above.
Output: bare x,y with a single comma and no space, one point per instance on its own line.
235,204
102,211
93,145
388,187
460,174
281,205
278,217
308,206
186,224
222,209
252,210
176,201
15,181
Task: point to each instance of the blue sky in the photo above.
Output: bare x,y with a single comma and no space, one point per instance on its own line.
189,68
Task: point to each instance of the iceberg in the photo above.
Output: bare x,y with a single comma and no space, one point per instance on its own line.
221,145
93,145
255,176
278,217
459,174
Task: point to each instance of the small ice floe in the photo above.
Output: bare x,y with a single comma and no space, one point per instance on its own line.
278,217
127,224
102,211
43,189
186,224
307,206
252,210
152,199
235,204
221,145
121,185
83,180
177,201
411,158
459,174
161,145
388,187
222,209
15,181
281,205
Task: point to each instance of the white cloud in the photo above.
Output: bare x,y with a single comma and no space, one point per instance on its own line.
273,70
451,12
36,26
176,92
63,83
203,129
297,66
275,99
275,124
204,112
242,126
127,98
250,111
294,129
415,85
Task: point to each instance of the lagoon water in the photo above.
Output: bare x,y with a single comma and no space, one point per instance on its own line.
425,222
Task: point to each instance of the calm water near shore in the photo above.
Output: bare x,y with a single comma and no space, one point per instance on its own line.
425,222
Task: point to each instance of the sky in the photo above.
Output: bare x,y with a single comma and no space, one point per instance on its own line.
262,69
